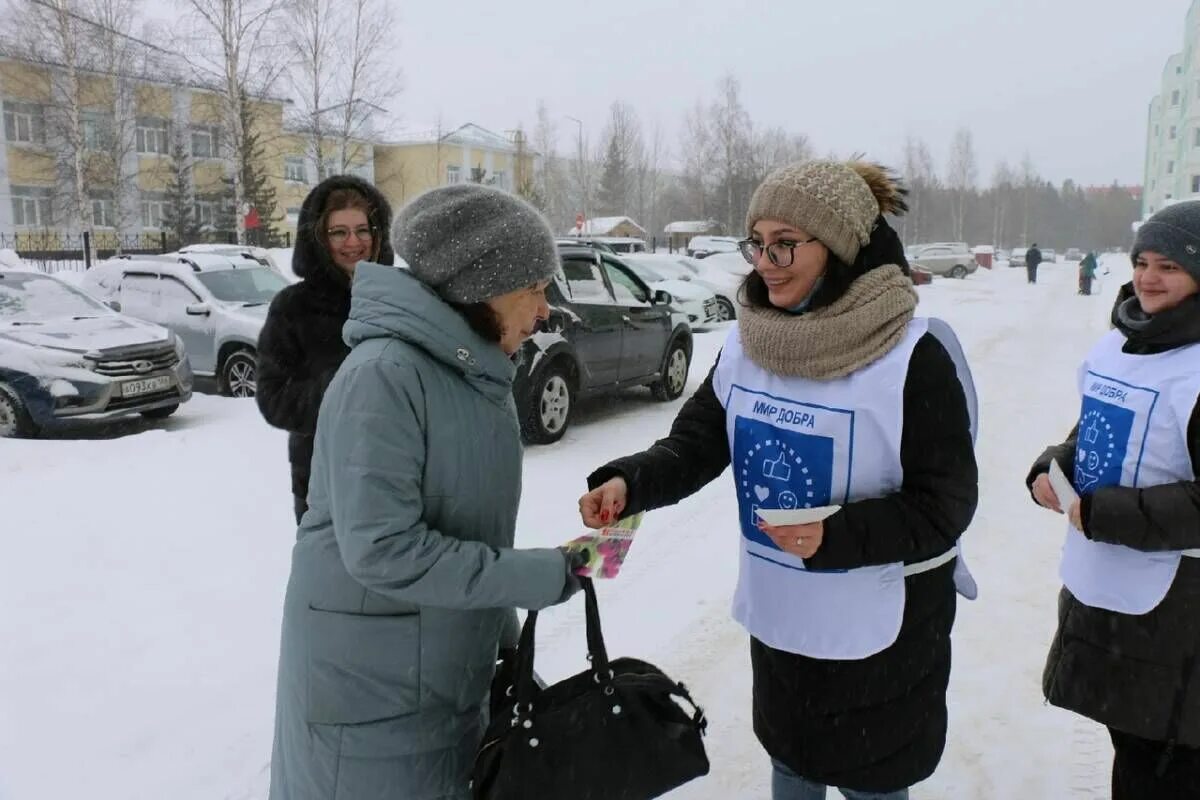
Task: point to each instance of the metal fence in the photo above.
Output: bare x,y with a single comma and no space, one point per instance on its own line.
53,251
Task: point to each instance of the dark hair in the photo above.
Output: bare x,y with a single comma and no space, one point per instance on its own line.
883,248
482,318
344,200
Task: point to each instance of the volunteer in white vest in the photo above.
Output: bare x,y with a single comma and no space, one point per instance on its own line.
831,392
1128,638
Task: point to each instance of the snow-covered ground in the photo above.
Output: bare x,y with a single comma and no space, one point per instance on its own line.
143,571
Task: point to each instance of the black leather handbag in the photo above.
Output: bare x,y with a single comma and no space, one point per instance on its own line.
615,732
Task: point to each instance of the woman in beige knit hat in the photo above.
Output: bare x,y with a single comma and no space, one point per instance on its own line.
831,398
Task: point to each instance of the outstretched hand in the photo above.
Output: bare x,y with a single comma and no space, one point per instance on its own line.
603,505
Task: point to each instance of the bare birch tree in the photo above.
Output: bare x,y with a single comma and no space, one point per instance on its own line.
233,43
961,174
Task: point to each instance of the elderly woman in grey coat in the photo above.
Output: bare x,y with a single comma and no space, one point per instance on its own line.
404,576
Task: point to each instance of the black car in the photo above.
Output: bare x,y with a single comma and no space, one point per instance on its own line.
607,331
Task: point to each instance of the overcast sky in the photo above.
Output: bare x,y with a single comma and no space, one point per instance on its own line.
1068,81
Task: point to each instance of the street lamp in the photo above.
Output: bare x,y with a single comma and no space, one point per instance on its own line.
582,167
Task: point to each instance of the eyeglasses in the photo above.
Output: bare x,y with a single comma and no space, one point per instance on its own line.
340,235
781,253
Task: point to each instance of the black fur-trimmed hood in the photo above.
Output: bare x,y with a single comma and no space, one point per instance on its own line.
310,260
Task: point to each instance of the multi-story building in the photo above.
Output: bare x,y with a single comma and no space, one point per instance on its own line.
171,120
1172,168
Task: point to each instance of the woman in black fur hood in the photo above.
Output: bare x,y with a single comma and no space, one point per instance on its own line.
344,220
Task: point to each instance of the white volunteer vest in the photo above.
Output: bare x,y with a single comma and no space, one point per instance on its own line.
798,443
1132,432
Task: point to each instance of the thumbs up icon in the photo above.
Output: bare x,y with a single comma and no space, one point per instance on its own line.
777,469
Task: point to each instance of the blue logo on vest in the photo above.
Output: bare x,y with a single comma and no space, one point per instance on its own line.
1103,440
778,469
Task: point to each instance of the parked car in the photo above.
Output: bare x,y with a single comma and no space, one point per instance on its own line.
724,285
1073,254
259,255
607,331
704,246
1049,256
1017,257
215,305
64,355
615,244
950,259
699,303
584,241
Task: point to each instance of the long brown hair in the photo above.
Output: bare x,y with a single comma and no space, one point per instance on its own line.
345,200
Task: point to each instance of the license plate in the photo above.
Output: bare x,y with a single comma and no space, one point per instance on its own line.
145,386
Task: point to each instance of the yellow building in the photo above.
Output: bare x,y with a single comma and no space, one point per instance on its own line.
408,163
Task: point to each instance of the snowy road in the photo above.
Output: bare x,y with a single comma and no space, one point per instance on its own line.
143,571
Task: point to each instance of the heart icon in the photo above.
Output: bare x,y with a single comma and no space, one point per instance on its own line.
762,493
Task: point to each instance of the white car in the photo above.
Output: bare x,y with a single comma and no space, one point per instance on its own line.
703,246
217,306
700,304
721,283
245,253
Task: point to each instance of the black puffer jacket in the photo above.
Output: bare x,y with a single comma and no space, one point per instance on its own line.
300,347
877,724
1138,674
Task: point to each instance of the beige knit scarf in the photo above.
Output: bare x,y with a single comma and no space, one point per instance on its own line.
832,342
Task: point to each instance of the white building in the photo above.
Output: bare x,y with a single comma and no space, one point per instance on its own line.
1172,169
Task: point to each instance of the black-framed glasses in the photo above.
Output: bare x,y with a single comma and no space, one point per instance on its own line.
781,253
339,235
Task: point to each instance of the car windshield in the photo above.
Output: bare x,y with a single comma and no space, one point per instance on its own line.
27,299
253,287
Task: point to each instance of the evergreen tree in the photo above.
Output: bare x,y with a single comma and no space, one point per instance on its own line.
479,175
614,179
179,216
260,191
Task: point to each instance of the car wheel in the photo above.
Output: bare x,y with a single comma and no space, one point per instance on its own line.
239,374
725,310
160,413
959,271
548,412
14,418
675,372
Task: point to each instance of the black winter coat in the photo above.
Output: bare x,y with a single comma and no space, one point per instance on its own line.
300,346
1138,674
1033,257
876,724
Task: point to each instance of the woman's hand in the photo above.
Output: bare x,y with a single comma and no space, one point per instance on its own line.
802,541
1043,493
603,505
1076,515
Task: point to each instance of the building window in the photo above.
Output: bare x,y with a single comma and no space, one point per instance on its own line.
1172,132
1196,138
154,210
204,142
102,212
1155,131
1175,97
31,206
500,179
360,171
23,122
1153,183
206,213
294,169
97,130
1170,167
453,174
1196,184
152,135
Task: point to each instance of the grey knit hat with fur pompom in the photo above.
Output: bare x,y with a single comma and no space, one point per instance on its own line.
471,243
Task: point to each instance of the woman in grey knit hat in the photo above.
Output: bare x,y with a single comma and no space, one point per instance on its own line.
404,576
831,393
1126,651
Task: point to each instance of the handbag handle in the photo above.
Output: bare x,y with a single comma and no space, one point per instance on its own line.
597,653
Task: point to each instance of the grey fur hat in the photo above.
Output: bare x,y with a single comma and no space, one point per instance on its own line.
1173,232
470,242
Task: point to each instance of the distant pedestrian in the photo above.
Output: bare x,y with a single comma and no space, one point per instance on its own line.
1087,271
1033,257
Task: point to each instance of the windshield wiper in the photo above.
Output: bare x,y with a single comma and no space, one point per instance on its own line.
255,303
24,322
85,317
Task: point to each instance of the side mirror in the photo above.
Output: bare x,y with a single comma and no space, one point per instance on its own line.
198,310
663,298
115,305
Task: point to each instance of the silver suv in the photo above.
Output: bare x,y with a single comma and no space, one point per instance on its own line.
216,305
948,259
